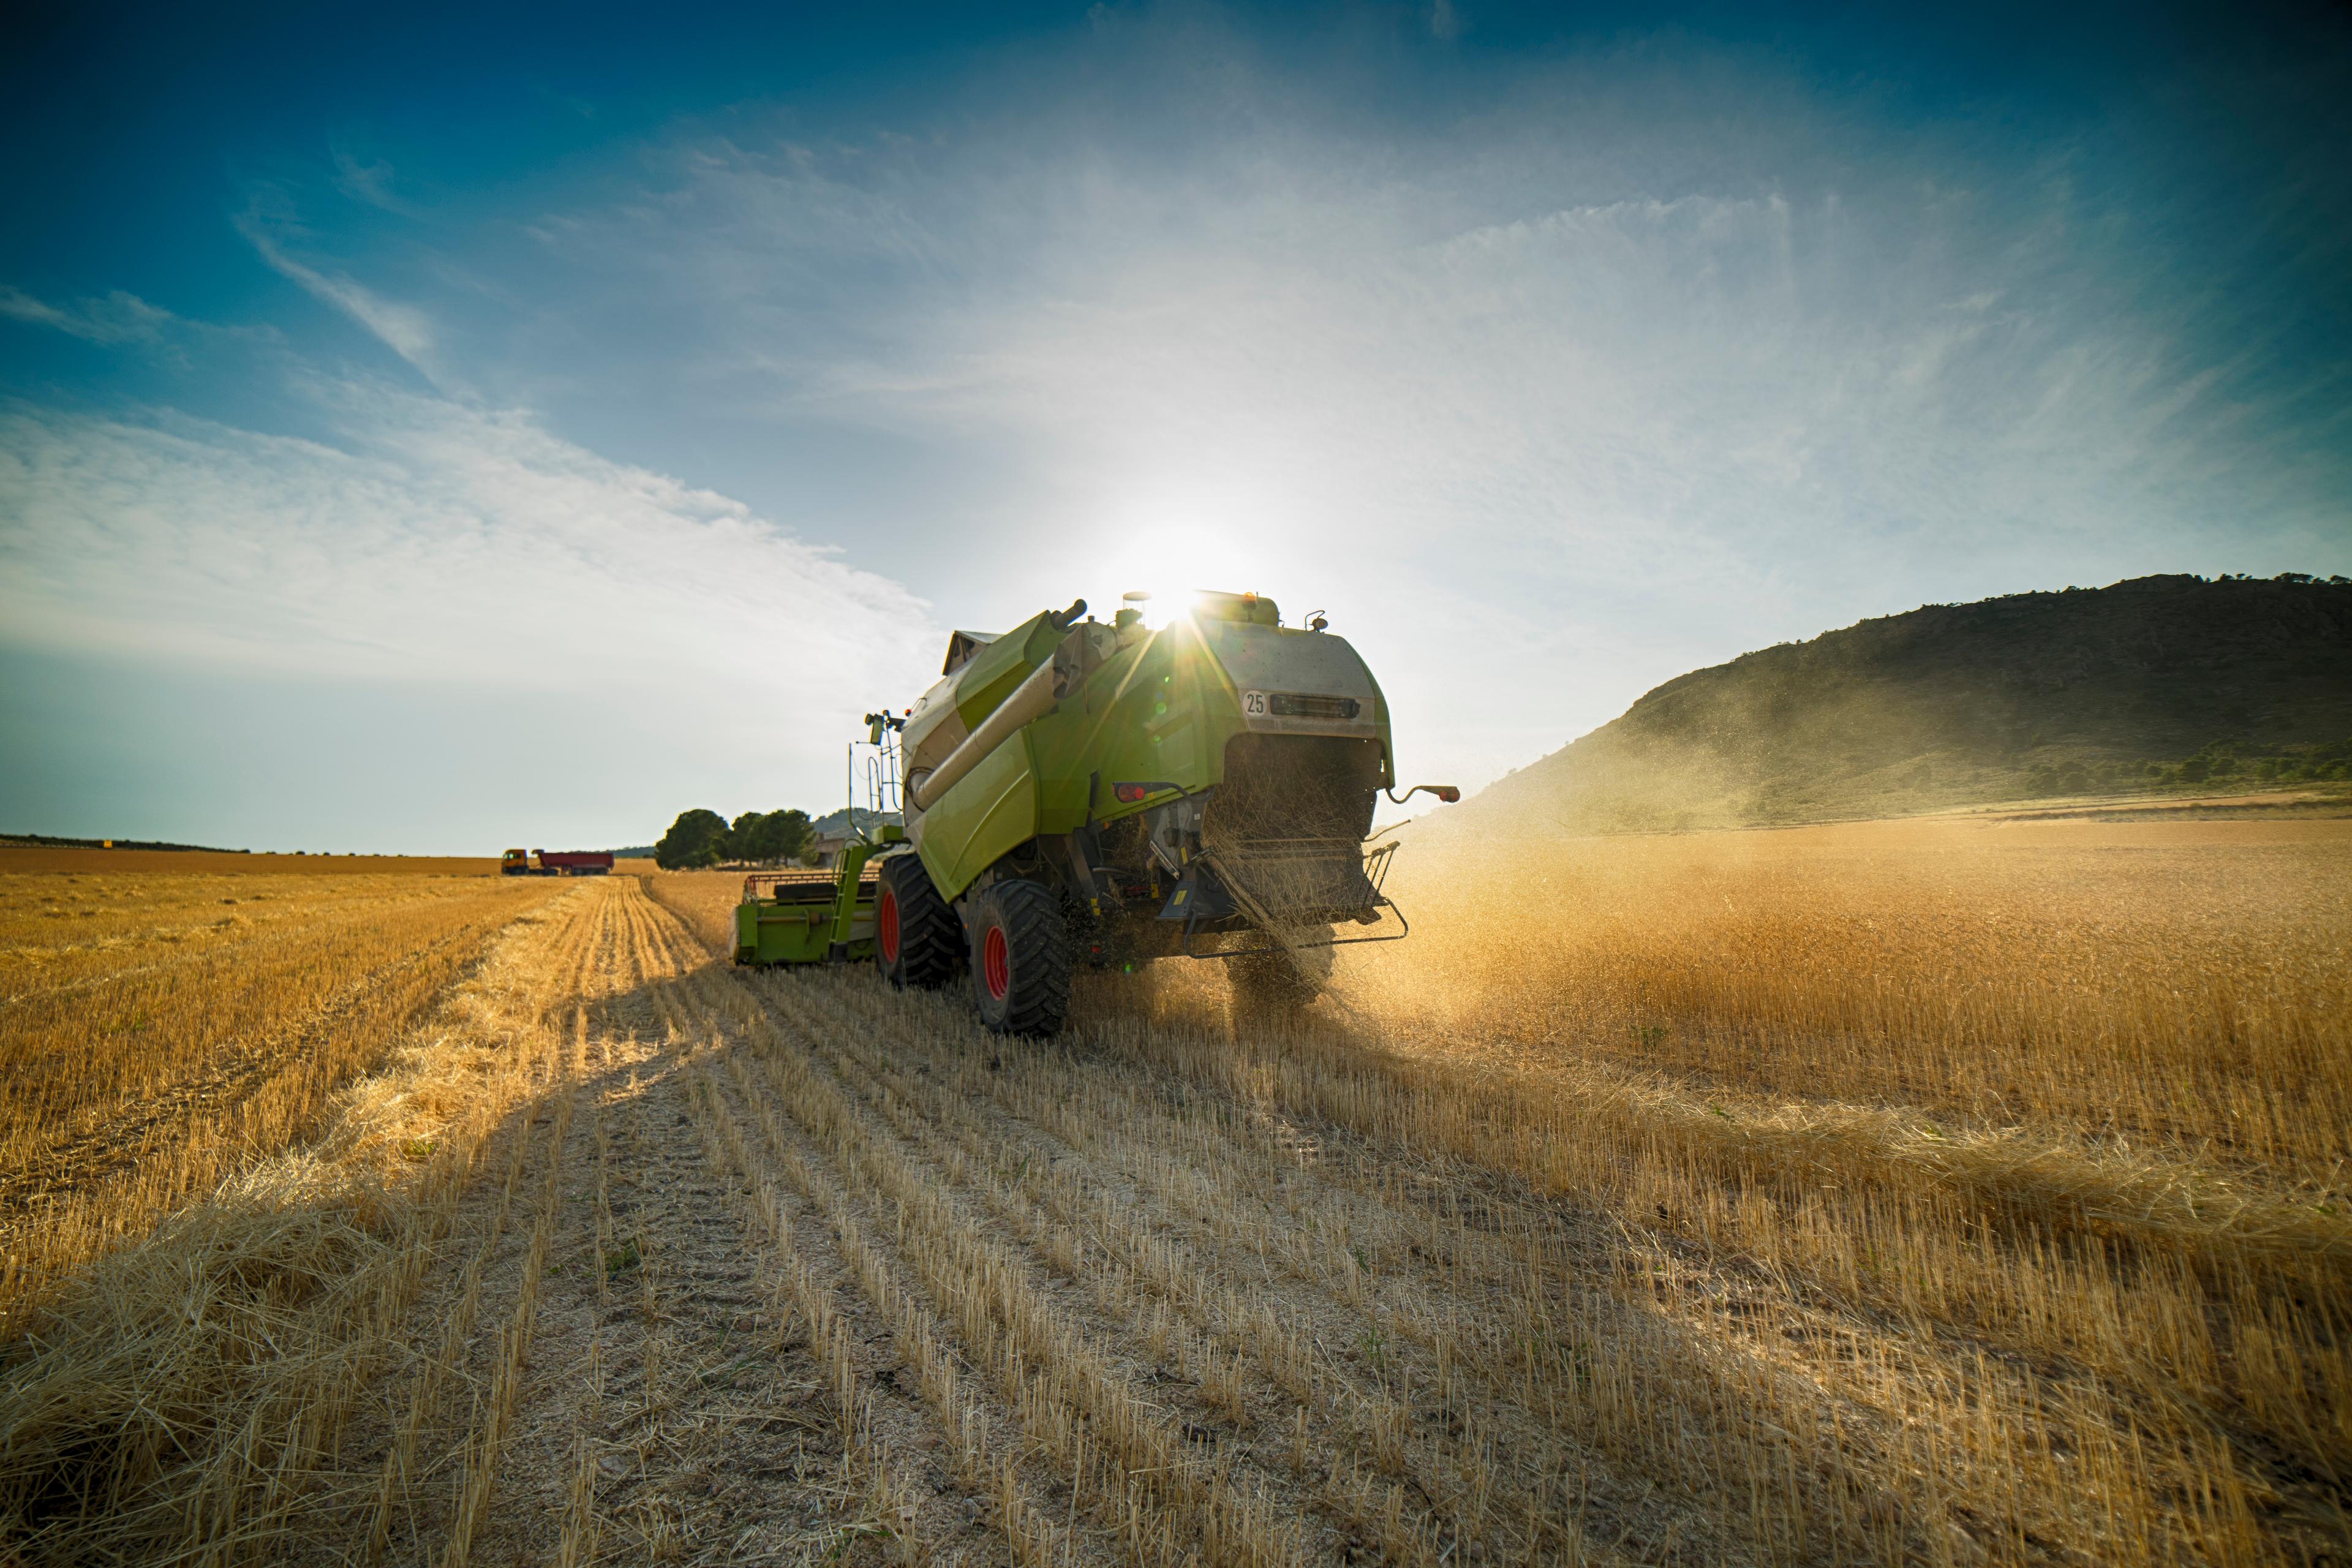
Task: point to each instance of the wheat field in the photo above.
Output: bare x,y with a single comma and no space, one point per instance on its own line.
1946,1193
167,1016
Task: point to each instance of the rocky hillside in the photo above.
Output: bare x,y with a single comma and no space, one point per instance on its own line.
2153,681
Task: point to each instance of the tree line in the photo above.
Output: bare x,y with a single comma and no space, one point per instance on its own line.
2215,762
701,838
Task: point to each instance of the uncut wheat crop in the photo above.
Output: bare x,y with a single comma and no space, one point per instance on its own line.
1947,1193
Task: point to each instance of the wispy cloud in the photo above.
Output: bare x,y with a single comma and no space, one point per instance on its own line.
436,542
1684,358
368,182
119,318
1550,378
403,328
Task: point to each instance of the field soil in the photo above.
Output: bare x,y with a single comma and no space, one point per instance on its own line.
1865,1197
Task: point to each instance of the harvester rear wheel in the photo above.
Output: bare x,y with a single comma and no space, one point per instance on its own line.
1019,958
914,931
1277,981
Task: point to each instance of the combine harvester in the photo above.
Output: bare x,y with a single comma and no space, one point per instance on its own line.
1076,793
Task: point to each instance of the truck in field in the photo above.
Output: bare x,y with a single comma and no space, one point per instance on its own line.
575,862
556,863
1110,795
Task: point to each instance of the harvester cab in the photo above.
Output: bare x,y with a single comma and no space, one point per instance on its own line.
1076,792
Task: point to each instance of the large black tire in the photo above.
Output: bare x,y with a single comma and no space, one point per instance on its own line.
1271,983
915,933
1019,958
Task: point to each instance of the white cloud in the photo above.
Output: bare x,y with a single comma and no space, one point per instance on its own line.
1613,365
403,328
1548,449
119,318
440,545
371,182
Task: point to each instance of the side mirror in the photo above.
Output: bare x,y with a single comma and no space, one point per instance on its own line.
1449,793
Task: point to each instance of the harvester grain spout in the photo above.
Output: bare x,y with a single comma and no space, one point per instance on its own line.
1033,698
1108,795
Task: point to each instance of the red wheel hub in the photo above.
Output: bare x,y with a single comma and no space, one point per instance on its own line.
995,965
885,926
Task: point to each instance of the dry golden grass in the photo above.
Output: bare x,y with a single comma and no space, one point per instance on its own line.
1974,1189
175,1399
16,859
1747,1198
705,901
163,1029
2178,982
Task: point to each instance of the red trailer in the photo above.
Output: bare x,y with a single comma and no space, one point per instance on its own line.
573,862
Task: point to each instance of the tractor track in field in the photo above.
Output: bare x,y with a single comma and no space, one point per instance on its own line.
630,1255
787,1266
712,1265
784,1266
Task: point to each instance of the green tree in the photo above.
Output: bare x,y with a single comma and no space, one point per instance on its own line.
696,838
780,836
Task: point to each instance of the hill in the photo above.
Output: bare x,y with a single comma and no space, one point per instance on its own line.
43,840
2156,680
838,824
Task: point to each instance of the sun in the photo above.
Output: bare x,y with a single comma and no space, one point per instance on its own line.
1170,598
1209,566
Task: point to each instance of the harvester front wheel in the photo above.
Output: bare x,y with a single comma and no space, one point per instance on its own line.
1019,958
914,931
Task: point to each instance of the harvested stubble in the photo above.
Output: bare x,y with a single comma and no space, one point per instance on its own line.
1932,1190
1563,1274
182,1399
161,1031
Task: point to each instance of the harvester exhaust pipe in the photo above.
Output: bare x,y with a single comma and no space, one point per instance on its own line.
1033,698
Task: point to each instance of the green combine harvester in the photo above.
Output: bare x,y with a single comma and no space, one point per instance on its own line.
1106,795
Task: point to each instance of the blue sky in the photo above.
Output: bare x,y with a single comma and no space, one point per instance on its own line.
425,433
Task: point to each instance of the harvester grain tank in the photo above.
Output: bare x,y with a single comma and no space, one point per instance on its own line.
1082,793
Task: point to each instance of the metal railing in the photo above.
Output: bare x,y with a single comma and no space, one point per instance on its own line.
809,885
1286,884
1293,876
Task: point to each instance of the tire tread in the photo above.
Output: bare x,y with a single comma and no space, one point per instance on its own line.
929,948
1039,940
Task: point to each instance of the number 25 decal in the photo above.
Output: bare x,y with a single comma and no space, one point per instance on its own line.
1253,704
